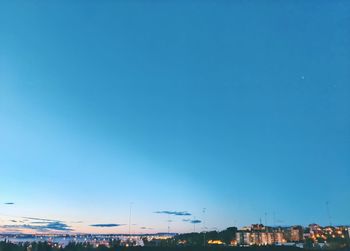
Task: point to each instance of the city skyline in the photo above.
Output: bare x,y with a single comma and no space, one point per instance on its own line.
149,112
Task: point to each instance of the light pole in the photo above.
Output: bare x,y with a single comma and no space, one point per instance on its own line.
204,230
130,220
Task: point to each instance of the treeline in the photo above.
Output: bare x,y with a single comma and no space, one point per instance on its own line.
200,239
44,246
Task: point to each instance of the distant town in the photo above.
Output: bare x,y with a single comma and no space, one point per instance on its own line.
312,236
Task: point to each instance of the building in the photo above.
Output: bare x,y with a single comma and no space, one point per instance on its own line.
259,235
243,238
296,234
278,237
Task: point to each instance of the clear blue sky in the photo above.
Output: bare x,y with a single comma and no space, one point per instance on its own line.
240,107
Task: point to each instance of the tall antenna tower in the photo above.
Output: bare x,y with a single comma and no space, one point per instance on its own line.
130,219
329,213
204,228
169,224
194,224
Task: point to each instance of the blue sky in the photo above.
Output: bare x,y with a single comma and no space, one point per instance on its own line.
239,107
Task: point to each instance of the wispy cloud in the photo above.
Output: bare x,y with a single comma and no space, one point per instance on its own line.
40,219
40,222
17,221
176,213
147,228
107,225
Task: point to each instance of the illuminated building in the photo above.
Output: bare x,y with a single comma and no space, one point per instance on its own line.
296,234
260,235
278,237
215,242
243,237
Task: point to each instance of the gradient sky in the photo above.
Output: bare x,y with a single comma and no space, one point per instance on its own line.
239,107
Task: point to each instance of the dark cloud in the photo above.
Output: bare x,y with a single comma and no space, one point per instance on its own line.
195,221
107,225
9,203
47,226
176,213
58,226
192,221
